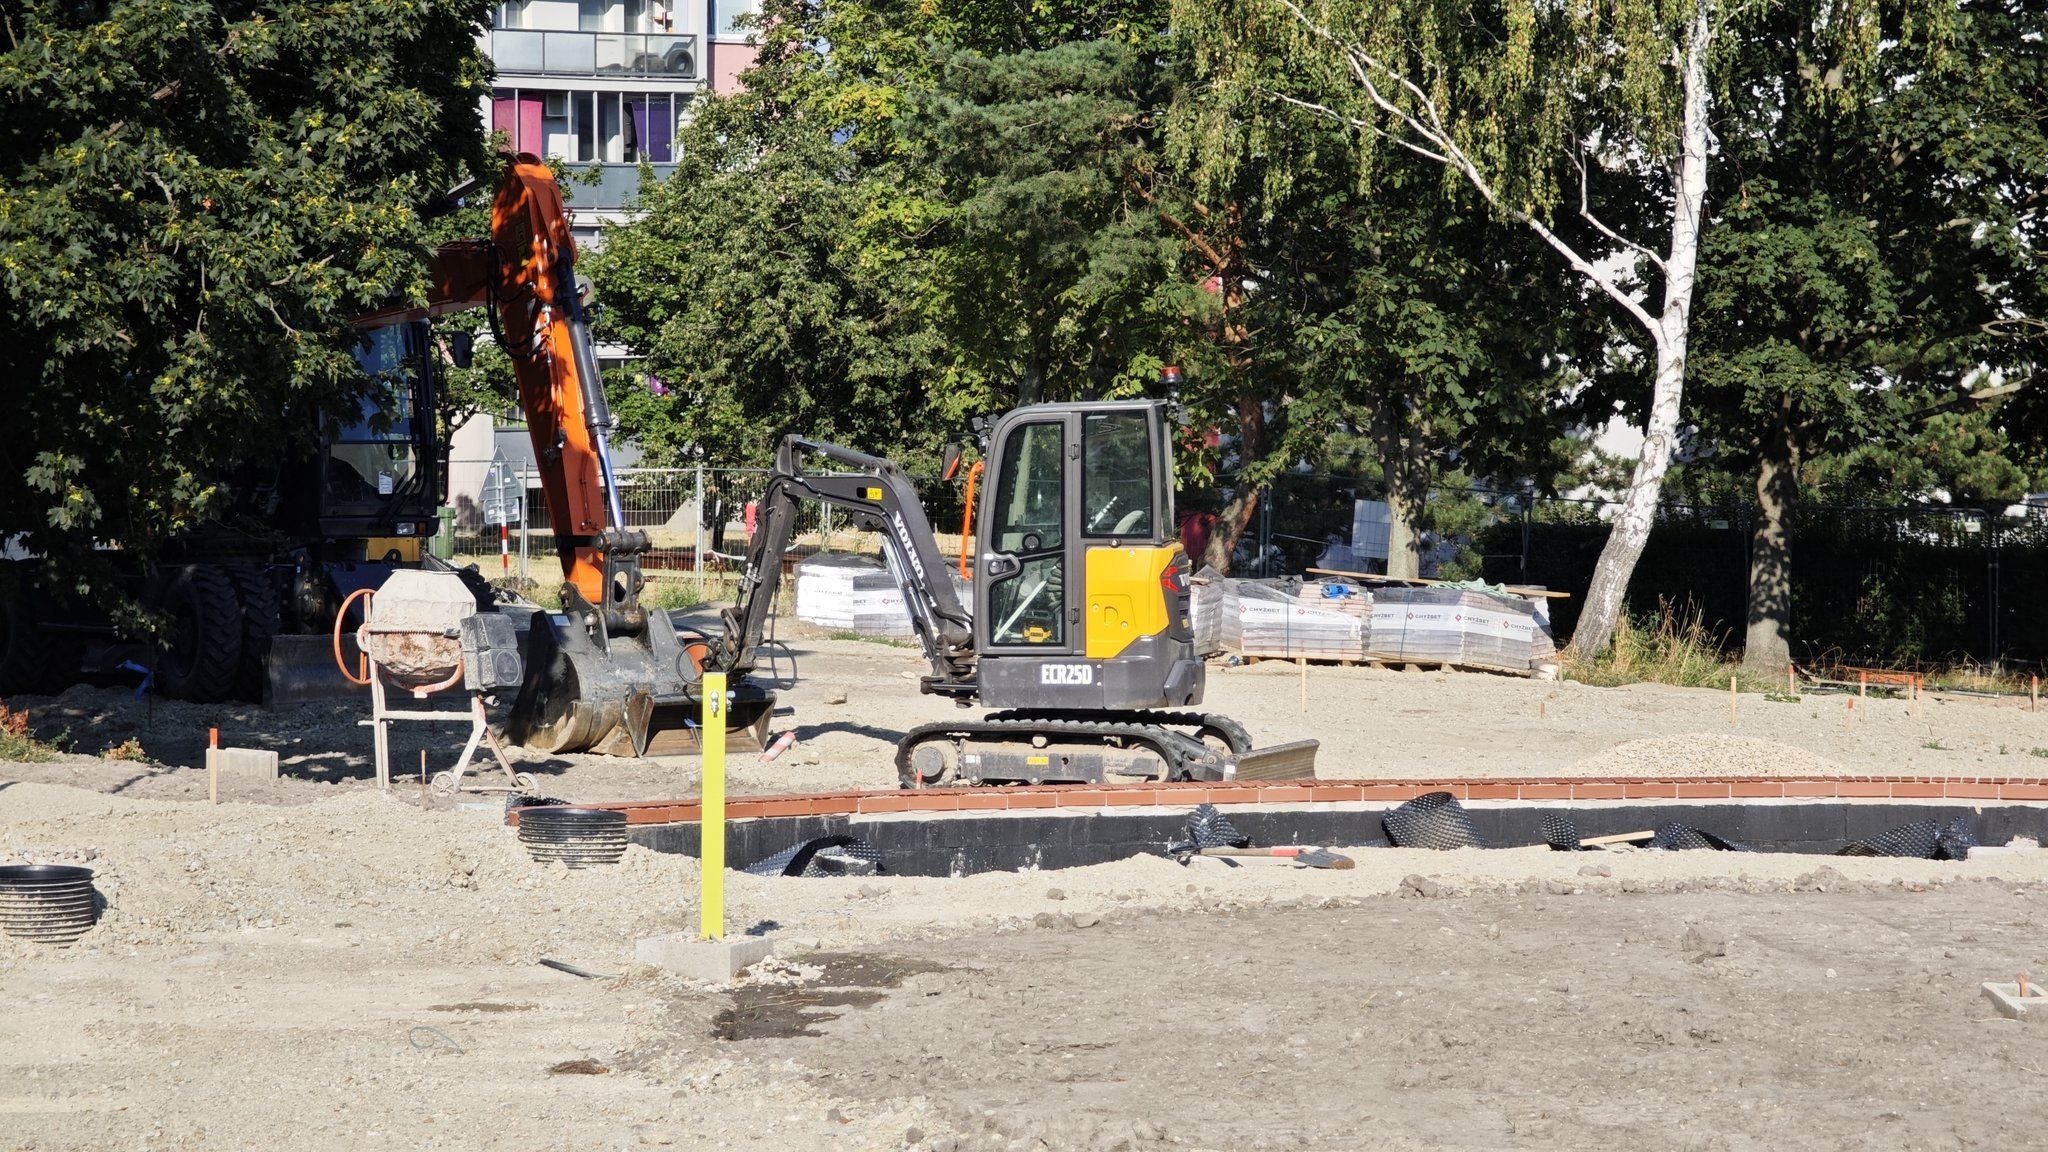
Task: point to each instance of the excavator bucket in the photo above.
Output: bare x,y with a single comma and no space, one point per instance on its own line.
622,695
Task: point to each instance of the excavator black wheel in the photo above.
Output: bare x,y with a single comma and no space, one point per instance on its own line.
1224,734
261,617
200,654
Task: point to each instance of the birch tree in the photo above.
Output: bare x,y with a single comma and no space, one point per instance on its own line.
1533,105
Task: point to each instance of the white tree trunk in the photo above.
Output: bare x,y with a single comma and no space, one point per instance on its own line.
1404,543
1606,598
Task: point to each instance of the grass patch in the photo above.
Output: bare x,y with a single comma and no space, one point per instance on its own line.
17,741
663,594
1975,678
850,634
1937,746
1781,698
673,595
1672,645
2041,752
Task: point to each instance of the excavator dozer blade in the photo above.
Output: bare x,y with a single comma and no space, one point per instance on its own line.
1291,761
630,698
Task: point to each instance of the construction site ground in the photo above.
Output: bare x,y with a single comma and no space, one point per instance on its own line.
316,965
852,699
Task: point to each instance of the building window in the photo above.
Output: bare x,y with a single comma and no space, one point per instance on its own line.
589,127
724,12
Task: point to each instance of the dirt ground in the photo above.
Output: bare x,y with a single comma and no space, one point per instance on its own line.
1372,723
354,973
317,965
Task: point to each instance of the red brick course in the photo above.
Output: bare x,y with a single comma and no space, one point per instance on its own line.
1099,796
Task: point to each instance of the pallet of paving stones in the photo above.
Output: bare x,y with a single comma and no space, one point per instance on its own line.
1458,627
855,593
1301,622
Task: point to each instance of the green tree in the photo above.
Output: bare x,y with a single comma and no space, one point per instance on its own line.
769,292
1532,106
776,284
1869,265
1427,324
1052,268
195,197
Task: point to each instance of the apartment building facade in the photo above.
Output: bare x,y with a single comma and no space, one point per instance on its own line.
602,86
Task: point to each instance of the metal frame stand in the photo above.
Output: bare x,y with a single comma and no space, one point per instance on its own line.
444,783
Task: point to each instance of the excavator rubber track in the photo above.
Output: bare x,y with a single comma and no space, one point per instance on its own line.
1032,747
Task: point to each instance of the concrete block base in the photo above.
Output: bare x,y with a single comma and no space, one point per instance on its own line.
2007,999
711,961
259,763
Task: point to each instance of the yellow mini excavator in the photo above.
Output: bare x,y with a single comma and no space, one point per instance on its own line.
1079,632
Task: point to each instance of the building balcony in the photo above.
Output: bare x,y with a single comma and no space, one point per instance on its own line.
609,55
607,187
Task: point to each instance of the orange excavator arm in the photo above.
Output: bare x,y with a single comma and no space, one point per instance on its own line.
606,674
527,272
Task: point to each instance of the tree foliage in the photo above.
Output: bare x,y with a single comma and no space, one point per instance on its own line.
1052,266
195,197
1870,264
768,293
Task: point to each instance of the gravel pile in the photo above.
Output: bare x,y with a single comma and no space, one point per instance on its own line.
1703,754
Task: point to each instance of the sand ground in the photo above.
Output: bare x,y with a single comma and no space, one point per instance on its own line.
1372,723
315,965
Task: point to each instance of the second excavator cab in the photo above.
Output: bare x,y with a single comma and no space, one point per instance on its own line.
1081,595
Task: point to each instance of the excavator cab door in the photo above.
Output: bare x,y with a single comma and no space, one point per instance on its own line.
1021,601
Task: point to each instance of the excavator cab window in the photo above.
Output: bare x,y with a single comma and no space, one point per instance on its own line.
1117,488
375,472
1026,565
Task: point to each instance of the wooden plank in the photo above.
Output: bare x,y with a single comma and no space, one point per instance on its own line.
1618,838
1542,593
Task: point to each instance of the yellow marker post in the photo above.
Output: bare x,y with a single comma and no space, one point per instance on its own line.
711,822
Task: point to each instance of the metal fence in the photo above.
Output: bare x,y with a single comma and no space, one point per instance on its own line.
1894,585
1897,585
700,524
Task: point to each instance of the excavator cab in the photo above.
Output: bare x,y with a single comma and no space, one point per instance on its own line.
1081,593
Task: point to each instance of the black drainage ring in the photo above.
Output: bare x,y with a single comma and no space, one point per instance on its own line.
578,837
46,903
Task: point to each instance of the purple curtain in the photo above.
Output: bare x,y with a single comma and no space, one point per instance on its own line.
661,132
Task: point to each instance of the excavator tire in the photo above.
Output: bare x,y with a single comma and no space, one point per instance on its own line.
201,653
262,614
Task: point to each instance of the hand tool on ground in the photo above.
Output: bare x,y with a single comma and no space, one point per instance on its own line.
1304,855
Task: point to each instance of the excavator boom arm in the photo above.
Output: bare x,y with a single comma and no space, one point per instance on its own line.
526,273
874,490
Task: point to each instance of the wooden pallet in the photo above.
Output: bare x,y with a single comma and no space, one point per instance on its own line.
1391,665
